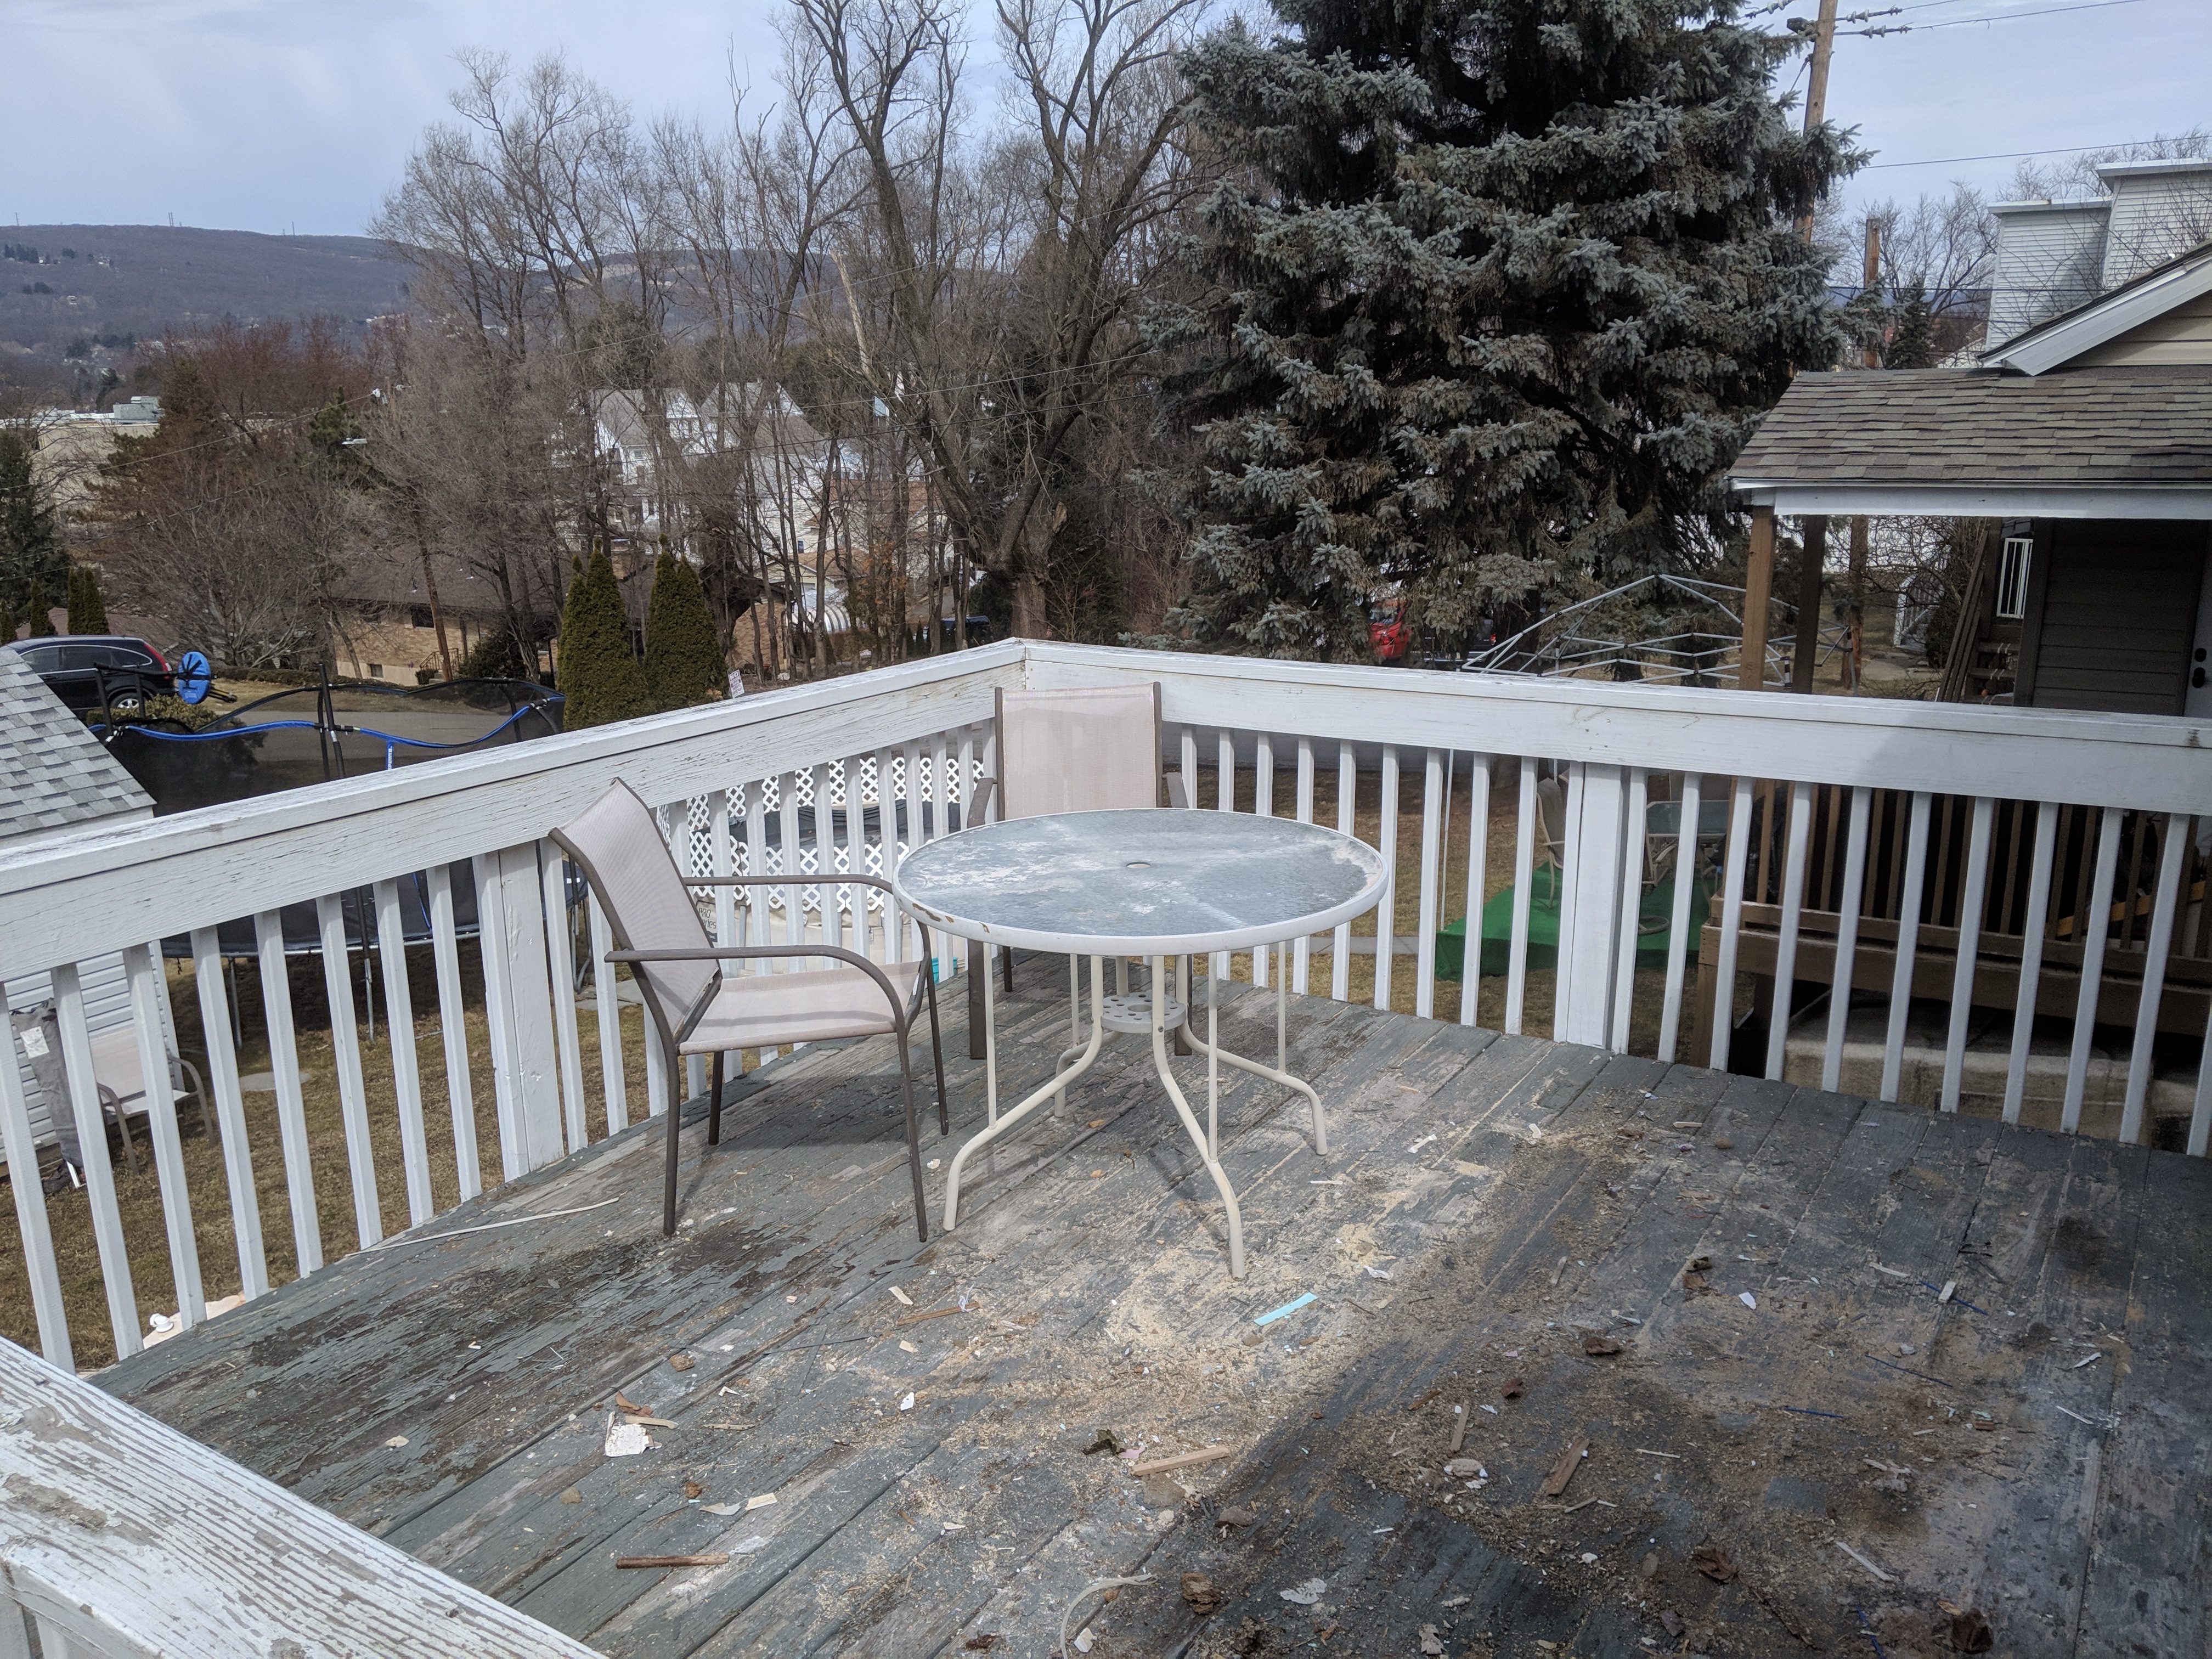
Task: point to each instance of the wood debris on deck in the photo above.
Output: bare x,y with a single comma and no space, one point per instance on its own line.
1853,1448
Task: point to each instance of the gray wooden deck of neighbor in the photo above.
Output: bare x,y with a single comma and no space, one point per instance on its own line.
1492,1199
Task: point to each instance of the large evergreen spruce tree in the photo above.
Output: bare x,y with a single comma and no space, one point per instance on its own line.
1497,291
600,680
683,652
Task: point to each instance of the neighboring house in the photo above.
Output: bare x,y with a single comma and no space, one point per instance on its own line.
2053,256
56,781
382,624
2085,440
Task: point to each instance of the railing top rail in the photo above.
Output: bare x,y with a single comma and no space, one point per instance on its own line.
2149,763
152,877
134,1538
104,889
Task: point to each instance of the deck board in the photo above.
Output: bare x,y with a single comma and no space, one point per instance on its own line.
1487,1200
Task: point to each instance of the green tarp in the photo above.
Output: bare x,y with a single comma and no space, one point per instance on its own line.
1654,914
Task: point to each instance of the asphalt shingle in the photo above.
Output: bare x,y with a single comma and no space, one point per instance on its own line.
2080,428
53,772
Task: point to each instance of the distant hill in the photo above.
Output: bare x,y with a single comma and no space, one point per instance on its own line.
105,282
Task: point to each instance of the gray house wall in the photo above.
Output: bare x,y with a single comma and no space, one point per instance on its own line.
2111,614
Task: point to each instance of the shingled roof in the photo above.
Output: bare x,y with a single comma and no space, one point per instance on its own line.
53,772
2132,429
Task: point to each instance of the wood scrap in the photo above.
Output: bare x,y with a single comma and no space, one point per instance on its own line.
1598,1347
935,1313
1181,1462
1713,1562
717,1560
631,1406
1564,1471
1459,1429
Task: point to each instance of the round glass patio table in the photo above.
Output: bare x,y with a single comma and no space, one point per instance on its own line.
1162,884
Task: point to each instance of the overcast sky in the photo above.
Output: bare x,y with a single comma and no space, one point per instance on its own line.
277,114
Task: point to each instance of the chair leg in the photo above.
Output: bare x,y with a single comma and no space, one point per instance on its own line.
978,965
715,1102
936,1055
913,1139
675,1123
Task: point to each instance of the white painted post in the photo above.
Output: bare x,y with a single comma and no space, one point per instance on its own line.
31,1214
1302,961
291,1102
452,1027
345,1054
561,962
406,1078
517,1001
1386,912
1478,878
1587,955
1738,860
230,1112
145,971
99,1176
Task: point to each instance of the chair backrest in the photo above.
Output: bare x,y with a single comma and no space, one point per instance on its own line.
1082,751
618,846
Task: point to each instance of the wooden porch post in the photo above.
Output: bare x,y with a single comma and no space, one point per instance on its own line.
1809,569
1757,588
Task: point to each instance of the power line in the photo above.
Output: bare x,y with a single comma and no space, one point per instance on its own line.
2010,155
2001,17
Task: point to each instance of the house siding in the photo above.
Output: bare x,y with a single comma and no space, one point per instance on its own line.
2118,614
2183,335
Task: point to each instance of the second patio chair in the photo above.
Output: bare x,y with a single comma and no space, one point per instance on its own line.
1087,749
698,1009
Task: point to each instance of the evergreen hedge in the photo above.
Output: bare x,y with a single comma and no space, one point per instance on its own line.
88,608
40,609
599,678
683,652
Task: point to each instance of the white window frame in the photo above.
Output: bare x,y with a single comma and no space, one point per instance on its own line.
2015,554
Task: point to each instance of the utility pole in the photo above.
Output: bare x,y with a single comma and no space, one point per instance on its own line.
1813,532
1856,620
1816,84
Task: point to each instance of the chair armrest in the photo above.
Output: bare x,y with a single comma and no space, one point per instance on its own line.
833,879
978,810
1175,795
721,952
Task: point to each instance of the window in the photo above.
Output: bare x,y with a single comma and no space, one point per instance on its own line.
376,670
2012,577
419,616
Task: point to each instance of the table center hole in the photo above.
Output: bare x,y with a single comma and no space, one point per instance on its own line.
1139,864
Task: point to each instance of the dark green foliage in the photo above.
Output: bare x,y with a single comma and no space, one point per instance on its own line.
38,611
30,539
495,656
598,677
1912,332
88,610
683,653
1498,290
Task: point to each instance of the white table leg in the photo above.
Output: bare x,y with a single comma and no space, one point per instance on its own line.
1212,1069
1197,1136
999,1125
990,1044
1278,1072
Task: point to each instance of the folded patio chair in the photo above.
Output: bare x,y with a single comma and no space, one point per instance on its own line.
698,1009
122,1084
1088,749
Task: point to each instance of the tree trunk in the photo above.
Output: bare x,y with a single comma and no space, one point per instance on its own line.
1028,607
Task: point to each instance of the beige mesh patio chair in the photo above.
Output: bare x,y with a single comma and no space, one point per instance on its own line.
1090,748
698,1009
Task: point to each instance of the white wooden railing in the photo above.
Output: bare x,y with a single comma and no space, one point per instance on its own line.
2049,861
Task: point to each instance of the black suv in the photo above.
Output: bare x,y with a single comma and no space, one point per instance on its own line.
73,665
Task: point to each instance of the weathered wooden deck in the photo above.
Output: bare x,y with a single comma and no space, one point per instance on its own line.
2033,1448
